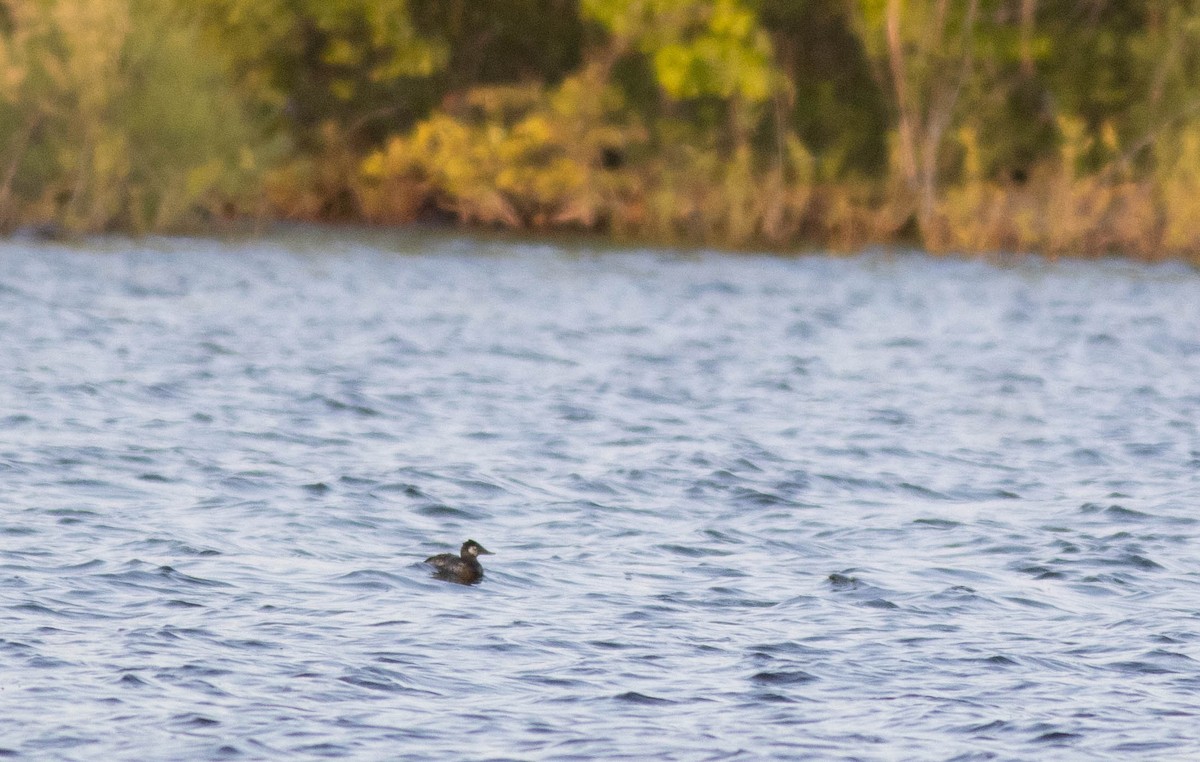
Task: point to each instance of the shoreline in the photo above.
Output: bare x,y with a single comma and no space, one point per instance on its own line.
597,243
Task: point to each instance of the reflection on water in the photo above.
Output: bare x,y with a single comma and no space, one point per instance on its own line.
741,507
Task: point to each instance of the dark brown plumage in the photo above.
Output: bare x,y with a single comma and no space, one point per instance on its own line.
463,568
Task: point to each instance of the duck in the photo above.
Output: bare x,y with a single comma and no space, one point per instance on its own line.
464,568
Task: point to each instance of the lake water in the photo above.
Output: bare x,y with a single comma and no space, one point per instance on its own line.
742,507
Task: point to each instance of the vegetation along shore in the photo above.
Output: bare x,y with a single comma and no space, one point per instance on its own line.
1067,127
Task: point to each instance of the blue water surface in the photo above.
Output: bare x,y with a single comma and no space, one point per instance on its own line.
742,507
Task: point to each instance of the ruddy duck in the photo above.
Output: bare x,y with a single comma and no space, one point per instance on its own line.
463,568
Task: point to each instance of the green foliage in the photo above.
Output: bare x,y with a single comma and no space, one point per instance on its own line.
832,98
698,49
182,150
1051,124
114,116
306,62
502,41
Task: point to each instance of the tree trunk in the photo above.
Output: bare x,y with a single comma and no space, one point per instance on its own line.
925,109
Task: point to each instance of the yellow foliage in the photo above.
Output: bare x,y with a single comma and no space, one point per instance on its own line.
1179,191
522,157
1061,211
698,49
120,115
526,157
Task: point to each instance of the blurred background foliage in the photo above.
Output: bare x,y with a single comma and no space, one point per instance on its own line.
1062,126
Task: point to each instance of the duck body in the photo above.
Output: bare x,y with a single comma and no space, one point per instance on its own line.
464,568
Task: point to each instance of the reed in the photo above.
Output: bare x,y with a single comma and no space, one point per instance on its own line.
116,116
732,124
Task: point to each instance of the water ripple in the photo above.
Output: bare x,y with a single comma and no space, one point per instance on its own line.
885,507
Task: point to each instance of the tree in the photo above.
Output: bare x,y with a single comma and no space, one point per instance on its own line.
925,56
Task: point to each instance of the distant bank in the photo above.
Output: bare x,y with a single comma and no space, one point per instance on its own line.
964,126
